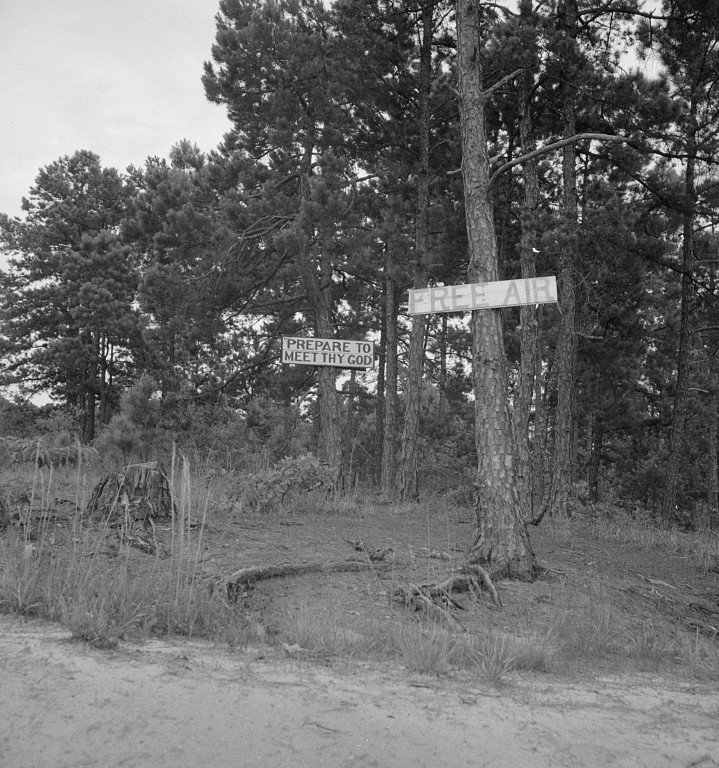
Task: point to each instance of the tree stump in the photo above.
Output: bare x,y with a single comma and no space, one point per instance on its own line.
139,495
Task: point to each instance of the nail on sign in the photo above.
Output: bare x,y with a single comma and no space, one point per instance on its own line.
463,298
339,353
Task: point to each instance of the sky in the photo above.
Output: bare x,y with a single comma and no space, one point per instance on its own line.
120,78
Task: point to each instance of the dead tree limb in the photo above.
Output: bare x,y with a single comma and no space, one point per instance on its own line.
238,581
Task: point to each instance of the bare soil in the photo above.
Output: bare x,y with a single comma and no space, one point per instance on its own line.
184,703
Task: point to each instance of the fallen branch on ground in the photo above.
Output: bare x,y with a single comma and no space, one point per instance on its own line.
247,577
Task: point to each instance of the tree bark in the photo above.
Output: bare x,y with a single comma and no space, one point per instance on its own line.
349,431
443,377
501,539
528,315
712,459
389,447
380,404
89,396
316,277
140,492
566,353
408,484
595,456
681,394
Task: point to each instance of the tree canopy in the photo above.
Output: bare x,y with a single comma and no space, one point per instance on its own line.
376,146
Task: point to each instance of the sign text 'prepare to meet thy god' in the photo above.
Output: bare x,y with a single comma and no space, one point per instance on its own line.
341,353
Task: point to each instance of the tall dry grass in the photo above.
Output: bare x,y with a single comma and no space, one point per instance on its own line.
89,579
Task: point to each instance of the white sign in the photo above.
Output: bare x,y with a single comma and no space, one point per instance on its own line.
336,352
463,298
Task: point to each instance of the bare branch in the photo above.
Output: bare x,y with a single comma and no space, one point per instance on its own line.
502,81
547,148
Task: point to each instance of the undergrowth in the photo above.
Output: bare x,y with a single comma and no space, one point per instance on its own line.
104,591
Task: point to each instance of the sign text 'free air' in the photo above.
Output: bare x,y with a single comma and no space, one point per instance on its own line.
463,298
341,353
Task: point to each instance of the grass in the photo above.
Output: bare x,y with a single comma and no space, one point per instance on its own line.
321,632
701,655
425,649
586,633
105,591
102,590
630,531
422,647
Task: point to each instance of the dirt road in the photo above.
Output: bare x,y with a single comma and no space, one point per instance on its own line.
185,705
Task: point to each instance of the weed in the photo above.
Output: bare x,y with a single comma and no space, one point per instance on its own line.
648,645
321,632
492,656
701,654
535,652
103,591
428,649
649,535
21,583
585,635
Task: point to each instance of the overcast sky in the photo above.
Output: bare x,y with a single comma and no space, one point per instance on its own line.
118,77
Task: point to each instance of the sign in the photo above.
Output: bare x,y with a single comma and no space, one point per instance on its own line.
463,298
336,352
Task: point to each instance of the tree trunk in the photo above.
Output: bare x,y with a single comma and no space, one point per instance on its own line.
541,443
389,447
501,539
566,353
350,429
595,457
443,377
140,493
408,485
327,395
88,432
681,394
380,403
712,459
317,280
528,315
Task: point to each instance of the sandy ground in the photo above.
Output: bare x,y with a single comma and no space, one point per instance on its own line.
186,705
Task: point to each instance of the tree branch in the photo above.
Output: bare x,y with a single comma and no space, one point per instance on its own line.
502,81
556,145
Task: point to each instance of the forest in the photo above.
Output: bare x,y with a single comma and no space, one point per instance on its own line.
378,146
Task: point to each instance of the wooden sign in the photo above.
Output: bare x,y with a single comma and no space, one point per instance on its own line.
339,353
464,298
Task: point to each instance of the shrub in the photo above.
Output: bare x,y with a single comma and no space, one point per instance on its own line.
293,475
135,434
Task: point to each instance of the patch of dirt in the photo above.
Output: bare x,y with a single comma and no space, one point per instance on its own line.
583,569
185,703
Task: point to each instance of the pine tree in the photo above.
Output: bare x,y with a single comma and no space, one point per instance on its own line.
501,540
275,69
69,326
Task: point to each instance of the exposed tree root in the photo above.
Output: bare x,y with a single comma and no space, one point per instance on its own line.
437,596
435,599
239,581
436,606
375,555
